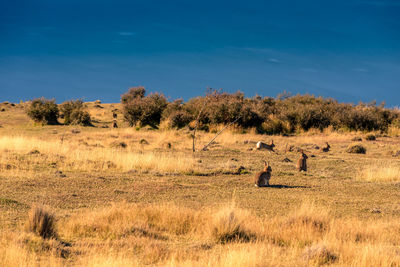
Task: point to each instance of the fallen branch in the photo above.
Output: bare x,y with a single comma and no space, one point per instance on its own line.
212,140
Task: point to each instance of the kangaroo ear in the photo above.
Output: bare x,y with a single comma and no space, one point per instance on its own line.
268,164
265,163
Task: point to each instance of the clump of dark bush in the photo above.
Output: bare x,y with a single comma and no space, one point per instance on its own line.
43,110
356,149
176,115
223,108
74,113
286,114
141,109
370,137
134,92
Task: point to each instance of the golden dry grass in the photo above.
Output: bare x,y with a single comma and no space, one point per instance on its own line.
168,235
380,171
71,156
151,204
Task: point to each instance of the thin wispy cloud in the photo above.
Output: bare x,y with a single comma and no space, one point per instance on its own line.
126,33
274,60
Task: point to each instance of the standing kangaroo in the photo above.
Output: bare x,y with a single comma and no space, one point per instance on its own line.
261,145
262,178
302,162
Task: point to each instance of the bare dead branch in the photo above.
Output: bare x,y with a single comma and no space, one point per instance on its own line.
209,143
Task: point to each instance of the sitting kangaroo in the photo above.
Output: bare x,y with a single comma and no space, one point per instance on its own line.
261,145
326,149
262,178
302,162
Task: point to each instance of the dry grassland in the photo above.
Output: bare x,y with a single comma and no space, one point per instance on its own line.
123,197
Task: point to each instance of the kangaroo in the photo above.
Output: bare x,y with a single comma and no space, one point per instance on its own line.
262,178
261,145
302,162
326,149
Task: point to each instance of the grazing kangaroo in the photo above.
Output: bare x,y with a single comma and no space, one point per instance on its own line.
261,145
326,149
262,178
302,162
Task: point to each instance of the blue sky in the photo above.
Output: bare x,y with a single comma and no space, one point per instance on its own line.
349,50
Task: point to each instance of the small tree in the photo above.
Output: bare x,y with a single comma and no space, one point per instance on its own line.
145,110
43,110
74,113
134,92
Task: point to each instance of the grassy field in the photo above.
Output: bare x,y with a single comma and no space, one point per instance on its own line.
127,197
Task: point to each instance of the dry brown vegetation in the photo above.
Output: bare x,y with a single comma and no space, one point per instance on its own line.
156,203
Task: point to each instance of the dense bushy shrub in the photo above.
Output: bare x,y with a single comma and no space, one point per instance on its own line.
145,110
43,110
81,117
74,113
282,115
176,115
223,108
134,92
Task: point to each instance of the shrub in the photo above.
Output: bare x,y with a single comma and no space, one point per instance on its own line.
176,115
283,115
41,222
223,108
81,117
145,110
273,126
74,113
357,149
134,92
356,139
43,110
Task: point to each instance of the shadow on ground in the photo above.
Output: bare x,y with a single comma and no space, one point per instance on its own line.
286,186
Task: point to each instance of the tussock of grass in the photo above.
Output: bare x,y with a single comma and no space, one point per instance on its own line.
370,137
319,254
310,216
356,149
41,222
121,220
229,226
